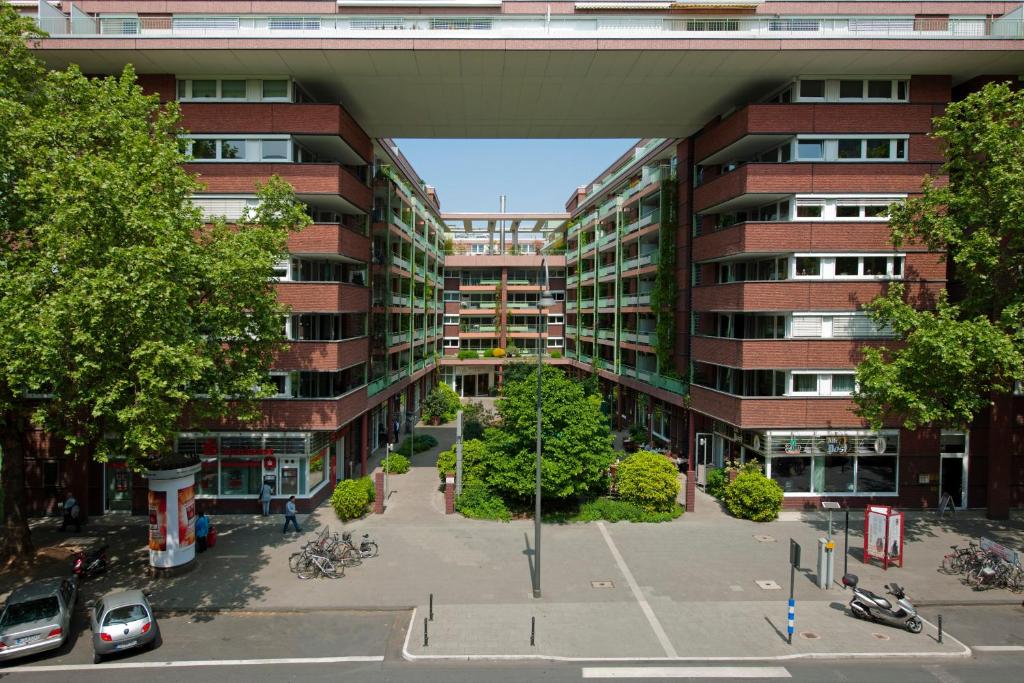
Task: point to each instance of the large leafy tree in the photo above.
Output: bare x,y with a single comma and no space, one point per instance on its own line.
964,355
119,304
576,441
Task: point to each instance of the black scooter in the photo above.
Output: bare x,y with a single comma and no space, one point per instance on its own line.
867,605
86,564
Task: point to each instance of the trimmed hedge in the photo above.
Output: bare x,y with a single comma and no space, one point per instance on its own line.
351,497
396,463
478,502
611,510
753,496
418,444
648,480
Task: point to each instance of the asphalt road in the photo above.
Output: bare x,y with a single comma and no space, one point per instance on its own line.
333,645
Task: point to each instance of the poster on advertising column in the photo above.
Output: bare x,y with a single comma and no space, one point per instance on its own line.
186,516
157,520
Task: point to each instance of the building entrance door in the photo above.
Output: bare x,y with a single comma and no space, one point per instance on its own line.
117,487
953,479
702,449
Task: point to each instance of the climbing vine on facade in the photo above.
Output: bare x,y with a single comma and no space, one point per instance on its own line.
665,293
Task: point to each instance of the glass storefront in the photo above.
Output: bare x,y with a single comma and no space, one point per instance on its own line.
236,465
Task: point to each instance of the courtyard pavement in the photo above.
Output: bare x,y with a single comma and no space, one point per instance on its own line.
684,589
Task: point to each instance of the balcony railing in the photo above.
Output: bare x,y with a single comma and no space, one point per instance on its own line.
606,270
530,26
376,386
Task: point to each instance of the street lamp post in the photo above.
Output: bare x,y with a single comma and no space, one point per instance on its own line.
544,302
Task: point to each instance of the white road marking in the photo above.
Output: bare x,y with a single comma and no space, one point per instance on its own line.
192,664
998,648
666,644
686,672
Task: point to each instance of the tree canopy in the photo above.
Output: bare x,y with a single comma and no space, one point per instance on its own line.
120,303
577,442
953,358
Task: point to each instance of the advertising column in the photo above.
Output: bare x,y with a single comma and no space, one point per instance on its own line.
172,517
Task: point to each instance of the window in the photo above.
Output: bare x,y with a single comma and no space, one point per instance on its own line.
232,90
810,149
809,211
843,383
125,615
232,149
204,149
51,473
555,342
555,319
812,89
275,150
851,90
850,149
804,384
847,265
450,319
316,469
204,89
875,265
846,89
275,90
451,342
808,266
451,296
880,90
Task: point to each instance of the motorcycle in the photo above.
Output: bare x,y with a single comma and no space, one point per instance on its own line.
85,564
867,605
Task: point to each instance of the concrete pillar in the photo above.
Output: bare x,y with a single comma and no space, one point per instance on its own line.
691,464
378,496
364,445
449,493
1000,430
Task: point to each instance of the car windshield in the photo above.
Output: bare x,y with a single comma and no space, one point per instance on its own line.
122,615
31,610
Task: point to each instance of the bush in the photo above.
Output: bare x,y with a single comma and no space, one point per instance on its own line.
472,461
371,490
611,510
478,502
488,353
475,419
512,350
637,434
468,353
717,481
649,480
556,354
442,402
351,498
498,352
753,496
417,444
396,463
446,461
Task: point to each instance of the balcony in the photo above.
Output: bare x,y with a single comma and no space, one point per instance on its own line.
376,386
315,180
649,218
334,129
754,184
399,262
803,295
323,297
606,270
782,413
795,236
329,238
760,126
322,355
768,354
398,338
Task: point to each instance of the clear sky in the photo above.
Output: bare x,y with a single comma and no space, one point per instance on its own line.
535,175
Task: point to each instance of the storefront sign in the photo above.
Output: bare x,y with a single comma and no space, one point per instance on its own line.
880,445
269,463
791,447
836,445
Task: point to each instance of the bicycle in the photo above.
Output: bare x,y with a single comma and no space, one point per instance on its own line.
320,565
367,548
957,561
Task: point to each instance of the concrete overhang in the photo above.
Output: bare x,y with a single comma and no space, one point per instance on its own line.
536,88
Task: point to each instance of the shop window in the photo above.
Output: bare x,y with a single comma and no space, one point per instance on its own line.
876,474
834,474
317,466
240,476
207,477
792,473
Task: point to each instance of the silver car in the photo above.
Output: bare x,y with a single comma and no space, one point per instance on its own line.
37,617
122,621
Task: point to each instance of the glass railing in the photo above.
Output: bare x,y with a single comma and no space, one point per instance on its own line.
606,270
479,328
606,334
377,385
606,302
400,262
607,239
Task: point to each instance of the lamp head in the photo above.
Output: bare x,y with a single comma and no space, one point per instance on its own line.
545,300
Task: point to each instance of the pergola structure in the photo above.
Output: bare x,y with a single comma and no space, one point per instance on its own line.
501,233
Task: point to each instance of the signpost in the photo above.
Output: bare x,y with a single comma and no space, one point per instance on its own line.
794,562
458,453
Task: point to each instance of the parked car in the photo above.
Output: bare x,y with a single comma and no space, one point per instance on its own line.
37,617
122,621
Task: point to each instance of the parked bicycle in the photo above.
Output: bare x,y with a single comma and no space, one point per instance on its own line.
327,554
983,569
367,548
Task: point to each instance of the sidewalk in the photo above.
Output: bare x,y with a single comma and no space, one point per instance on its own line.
680,589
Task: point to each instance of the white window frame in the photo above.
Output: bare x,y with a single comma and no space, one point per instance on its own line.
831,90
451,319
451,342
830,205
556,319
827,269
287,384
253,88
823,383
253,148
830,147
556,342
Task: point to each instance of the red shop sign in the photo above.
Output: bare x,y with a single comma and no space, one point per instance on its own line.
269,463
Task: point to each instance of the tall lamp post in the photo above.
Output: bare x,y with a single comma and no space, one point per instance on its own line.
544,302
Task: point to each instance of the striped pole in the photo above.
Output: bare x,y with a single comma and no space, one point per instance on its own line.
789,624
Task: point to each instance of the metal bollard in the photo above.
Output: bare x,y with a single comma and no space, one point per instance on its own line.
426,639
533,630
940,629
431,606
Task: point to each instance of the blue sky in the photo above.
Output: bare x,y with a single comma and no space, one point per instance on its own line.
536,175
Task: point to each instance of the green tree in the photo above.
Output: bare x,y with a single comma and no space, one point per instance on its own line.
119,303
577,444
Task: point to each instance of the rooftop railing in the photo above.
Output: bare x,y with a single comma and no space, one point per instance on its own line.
528,26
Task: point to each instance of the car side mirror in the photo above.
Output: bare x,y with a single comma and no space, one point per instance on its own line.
148,593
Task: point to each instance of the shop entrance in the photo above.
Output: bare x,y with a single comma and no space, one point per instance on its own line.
117,487
953,479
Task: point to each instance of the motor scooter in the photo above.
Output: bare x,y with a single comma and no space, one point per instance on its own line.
85,564
867,605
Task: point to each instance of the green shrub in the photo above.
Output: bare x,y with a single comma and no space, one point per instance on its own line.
350,498
637,434
512,350
475,419
472,461
611,510
442,402
371,490
396,463
417,444
753,496
478,502
468,353
556,354
649,480
717,481
488,353
445,463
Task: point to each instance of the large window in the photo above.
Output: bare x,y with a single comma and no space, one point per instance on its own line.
317,469
839,90
837,464
238,149
234,89
860,148
832,267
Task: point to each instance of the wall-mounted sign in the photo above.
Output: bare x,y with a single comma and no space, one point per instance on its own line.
836,445
269,463
791,447
880,445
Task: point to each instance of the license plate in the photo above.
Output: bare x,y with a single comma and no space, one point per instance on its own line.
26,640
123,646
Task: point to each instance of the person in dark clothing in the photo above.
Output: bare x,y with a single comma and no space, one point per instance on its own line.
202,531
72,513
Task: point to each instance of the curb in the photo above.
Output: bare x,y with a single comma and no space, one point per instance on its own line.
410,657
970,603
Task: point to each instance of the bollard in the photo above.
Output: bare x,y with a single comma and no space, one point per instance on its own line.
426,639
431,606
940,629
791,621
533,630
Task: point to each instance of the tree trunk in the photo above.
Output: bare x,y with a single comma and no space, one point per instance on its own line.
16,545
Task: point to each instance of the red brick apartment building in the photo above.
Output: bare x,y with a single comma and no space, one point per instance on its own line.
774,134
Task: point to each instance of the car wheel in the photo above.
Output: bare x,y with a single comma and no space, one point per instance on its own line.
97,658
156,642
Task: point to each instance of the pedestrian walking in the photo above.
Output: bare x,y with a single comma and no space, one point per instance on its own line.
202,531
266,493
397,426
289,516
72,513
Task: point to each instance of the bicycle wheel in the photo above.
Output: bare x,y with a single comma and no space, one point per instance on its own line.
949,564
331,570
349,557
369,549
294,560
309,569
